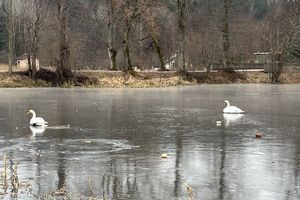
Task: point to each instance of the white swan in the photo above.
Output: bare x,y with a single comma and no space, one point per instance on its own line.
232,109
36,121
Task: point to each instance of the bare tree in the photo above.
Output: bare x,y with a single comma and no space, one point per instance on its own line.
283,26
41,7
181,14
203,36
111,17
10,36
225,31
63,66
84,33
131,10
154,34
34,14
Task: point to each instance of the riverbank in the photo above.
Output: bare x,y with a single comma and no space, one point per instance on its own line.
117,79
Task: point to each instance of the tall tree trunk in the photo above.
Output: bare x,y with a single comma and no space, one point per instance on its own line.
112,52
28,50
34,68
29,59
10,36
33,55
36,32
181,8
154,33
278,66
159,52
63,69
128,64
141,42
225,31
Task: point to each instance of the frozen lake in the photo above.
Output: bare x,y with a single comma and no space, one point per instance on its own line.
108,142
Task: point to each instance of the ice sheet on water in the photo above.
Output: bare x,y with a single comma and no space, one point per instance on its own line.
107,145
59,127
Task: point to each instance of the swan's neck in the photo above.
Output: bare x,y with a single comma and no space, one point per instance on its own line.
33,115
228,104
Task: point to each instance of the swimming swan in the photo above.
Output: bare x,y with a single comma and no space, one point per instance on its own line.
232,109
36,121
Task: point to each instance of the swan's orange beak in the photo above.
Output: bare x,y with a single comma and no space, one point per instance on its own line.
28,113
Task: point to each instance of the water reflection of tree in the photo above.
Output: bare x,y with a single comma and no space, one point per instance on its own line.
222,165
62,114
293,190
111,183
178,182
61,168
37,160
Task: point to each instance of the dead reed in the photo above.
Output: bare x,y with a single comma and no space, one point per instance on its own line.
190,191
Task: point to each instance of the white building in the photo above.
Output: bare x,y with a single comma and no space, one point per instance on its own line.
22,63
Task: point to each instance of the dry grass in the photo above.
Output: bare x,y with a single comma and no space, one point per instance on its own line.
15,81
259,77
11,186
117,79
290,77
250,77
123,80
9,182
133,82
190,191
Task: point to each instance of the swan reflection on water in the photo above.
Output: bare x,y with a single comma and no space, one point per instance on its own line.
231,118
37,130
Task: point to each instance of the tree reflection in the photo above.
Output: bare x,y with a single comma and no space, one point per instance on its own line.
61,168
222,165
37,160
178,182
114,184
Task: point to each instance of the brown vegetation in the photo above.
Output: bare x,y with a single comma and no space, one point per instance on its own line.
117,79
17,80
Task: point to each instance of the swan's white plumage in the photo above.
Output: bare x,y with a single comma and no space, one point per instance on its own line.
232,109
36,121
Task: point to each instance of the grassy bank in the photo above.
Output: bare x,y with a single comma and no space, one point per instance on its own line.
17,80
111,79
